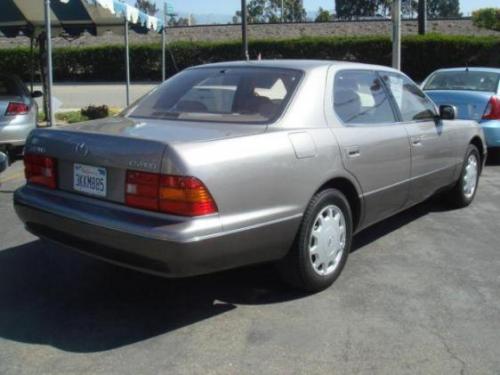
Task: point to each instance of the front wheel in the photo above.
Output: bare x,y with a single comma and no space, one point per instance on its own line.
322,245
464,191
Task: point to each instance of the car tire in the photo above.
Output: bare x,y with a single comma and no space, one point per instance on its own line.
465,189
322,244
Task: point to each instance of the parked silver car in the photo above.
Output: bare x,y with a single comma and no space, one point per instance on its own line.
230,164
18,113
3,162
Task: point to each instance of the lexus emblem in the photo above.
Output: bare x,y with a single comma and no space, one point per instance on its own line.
82,149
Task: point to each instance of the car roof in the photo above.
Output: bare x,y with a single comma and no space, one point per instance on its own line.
471,69
295,64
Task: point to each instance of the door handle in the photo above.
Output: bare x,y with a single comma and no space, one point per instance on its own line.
353,151
416,141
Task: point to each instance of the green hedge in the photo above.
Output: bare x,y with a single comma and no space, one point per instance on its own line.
421,55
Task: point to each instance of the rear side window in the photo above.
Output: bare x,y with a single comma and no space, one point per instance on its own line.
239,95
411,101
360,98
464,80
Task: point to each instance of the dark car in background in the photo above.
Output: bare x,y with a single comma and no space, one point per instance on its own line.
475,92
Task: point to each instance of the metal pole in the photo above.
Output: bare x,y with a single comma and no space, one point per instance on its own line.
127,63
48,32
396,34
32,65
163,49
282,11
422,17
244,29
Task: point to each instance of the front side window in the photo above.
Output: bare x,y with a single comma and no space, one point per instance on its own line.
239,95
360,98
470,80
411,101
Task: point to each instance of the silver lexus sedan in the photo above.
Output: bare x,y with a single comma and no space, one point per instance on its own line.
18,113
231,164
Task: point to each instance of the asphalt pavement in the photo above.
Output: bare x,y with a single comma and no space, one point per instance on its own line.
420,295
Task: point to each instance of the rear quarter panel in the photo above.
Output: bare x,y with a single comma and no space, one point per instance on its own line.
463,132
260,179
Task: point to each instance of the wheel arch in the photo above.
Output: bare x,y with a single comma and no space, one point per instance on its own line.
348,188
476,141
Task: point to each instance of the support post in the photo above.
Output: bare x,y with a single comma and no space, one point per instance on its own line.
127,63
422,17
50,80
244,29
163,47
32,63
396,34
282,11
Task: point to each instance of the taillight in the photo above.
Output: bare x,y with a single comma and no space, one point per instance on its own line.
14,109
40,170
141,190
186,196
492,111
177,195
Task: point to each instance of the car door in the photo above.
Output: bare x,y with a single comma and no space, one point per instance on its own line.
432,155
373,145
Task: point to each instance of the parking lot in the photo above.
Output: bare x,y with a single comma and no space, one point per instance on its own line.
420,294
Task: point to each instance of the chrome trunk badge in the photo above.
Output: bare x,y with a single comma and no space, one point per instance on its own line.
82,149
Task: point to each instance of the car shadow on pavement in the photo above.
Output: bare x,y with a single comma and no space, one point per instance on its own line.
53,296
50,295
382,228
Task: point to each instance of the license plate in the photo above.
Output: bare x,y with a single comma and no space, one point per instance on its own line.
90,180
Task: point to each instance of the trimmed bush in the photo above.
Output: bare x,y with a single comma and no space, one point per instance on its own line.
95,112
421,55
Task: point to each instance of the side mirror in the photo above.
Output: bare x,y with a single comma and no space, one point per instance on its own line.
3,162
36,94
447,112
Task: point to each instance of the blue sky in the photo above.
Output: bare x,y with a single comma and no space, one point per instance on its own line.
230,6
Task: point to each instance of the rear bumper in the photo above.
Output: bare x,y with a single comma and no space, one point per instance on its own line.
149,242
14,133
491,132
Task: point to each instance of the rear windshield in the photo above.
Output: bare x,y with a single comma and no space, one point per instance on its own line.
464,80
9,87
239,95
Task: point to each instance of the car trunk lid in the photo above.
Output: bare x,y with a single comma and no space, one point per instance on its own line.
81,154
470,104
168,131
106,149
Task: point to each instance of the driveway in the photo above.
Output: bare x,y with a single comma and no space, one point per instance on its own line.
420,295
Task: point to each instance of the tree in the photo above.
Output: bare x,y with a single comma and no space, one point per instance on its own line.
443,8
174,20
352,9
261,11
409,8
323,15
255,11
489,18
147,7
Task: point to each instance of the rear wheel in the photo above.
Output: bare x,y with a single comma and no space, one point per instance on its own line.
464,191
322,245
